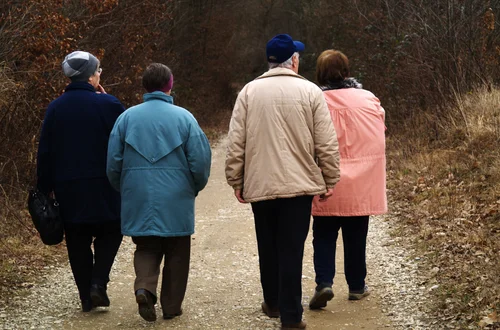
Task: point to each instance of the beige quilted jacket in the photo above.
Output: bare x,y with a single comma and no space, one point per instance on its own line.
282,142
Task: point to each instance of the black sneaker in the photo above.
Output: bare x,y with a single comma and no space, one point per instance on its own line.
99,296
320,298
358,295
146,302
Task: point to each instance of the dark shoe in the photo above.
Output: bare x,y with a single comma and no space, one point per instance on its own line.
167,316
320,298
271,312
358,295
300,325
87,306
146,301
99,296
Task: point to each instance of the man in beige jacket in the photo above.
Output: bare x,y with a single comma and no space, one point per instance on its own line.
282,151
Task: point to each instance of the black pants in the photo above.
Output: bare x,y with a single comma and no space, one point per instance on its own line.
148,256
92,268
282,226
354,232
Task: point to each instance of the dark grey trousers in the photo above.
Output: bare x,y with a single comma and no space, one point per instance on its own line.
148,256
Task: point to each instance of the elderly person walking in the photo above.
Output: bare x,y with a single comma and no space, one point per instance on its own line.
359,122
72,164
159,158
282,151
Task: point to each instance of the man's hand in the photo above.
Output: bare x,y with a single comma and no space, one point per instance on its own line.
239,195
100,89
324,197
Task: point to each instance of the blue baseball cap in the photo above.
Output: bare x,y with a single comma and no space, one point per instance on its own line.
281,47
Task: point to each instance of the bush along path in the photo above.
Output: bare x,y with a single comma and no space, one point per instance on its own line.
224,288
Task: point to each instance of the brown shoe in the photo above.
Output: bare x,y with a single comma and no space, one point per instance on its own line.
169,316
271,312
300,325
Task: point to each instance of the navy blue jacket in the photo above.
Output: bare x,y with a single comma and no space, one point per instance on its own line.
72,153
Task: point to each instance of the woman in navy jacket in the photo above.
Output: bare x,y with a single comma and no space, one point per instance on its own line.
72,165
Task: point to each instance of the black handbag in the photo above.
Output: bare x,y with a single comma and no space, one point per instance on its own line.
45,215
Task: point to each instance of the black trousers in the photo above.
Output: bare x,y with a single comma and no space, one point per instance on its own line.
148,256
92,268
354,232
282,226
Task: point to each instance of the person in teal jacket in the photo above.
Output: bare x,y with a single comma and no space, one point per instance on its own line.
159,159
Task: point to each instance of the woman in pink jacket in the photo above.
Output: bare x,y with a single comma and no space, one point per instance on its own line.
359,122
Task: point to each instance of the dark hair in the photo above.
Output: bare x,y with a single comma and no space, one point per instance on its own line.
332,65
156,77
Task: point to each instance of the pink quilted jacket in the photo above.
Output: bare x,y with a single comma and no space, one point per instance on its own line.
359,121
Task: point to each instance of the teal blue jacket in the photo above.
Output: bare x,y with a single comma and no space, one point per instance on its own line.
159,159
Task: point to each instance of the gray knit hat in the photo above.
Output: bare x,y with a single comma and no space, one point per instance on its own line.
79,66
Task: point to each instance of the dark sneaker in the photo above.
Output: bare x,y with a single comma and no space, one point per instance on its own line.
271,312
300,325
146,302
99,296
320,298
168,316
87,305
358,295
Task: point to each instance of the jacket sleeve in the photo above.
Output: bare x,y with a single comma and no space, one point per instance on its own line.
115,110
235,156
116,146
199,156
379,108
326,145
44,162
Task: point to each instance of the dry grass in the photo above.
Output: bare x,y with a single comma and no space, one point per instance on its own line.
22,253
445,175
214,134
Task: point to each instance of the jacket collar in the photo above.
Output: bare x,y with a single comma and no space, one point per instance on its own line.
339,84
80,85
158,96
280,72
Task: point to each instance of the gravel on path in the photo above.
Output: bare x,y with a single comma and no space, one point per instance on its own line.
224,288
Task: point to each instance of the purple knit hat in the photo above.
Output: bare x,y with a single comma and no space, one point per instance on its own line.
169,85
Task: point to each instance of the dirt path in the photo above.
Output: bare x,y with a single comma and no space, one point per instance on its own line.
223,291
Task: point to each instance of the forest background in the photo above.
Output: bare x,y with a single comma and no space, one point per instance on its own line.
434,64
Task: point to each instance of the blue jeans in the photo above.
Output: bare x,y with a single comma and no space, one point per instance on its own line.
325,233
